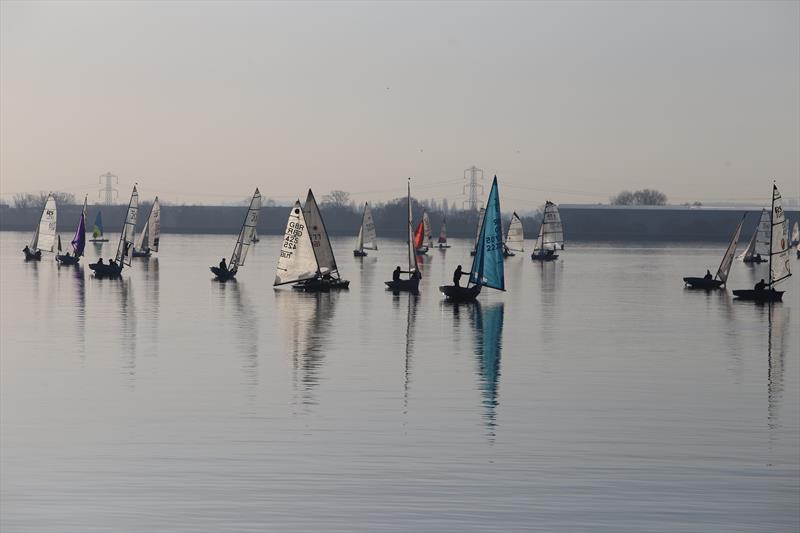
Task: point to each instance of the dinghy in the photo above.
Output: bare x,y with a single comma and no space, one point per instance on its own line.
367,239
97,231
328,276
515,238
778,256
255,236
414,275
487,266
551,235
228,272
795,234
757,250
426,224
78,242
478,231
113,269
442,241
709,283
297,261
151,233
44,237
419,239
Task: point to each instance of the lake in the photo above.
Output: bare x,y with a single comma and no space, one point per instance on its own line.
596,394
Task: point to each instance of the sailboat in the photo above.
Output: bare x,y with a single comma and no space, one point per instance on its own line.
227,272
796,234
151,233
328,276
414,275
97,231
255,237
44,237
442,241
758,248
778,256
78,241
114,267
426,224
297,260
478,231
551,235
487,266
515,238
721,277
367,239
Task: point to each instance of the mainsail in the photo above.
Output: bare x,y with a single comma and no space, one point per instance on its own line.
125,246
727,259
151,233
795,233
245,238
367,239
515,238
759,242
779,246
319,236
443,232
419,235
412,249
97,232
551,232
297,261
79,240
487,266
426,224
44,238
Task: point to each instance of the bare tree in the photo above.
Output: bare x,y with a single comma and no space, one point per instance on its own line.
27,199
623,198
640,197
337,198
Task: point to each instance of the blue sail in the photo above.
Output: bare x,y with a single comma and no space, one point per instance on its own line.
487,266
98,226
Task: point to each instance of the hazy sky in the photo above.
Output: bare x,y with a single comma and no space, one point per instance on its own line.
201,102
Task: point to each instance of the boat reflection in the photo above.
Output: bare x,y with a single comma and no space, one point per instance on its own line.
127,315
411,317
778,318
245,327
488,328
306,322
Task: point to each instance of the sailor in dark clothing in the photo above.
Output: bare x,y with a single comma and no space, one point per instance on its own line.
457,276
396,274
100,261
26,249
760,285
708,276
417,274
222,266
758,259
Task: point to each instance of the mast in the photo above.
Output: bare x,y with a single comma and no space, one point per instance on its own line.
771,217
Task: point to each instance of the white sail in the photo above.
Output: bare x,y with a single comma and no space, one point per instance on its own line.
126,236
515,238
443,232
480,223
426,228
796,232
412,253
44,238
297,261
727,259
552,230
779,245
369,238
537,246
750,249
245,238
151,232
319,236
763,234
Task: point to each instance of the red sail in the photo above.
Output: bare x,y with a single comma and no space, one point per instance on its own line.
419,235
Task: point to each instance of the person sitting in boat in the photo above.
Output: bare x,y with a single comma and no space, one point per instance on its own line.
222,266
100,261
457,276
112,263
760,286
757,259
27,250
708,276
396,274
416,274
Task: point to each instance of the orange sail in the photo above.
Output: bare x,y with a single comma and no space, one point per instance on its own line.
419,235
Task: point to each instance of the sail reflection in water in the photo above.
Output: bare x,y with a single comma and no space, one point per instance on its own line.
776,348
488,324
306,320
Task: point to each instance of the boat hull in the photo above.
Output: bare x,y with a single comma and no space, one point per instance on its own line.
765,295
702,283
137,253
223,275
752,260
443,246
359,253
37,256
105,270
68,259
543,257
98,240
460,294
403,285
313,285
508,254
422,251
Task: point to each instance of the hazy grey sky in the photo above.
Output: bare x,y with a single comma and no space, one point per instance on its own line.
202,101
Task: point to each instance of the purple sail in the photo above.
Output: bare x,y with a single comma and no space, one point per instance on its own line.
79,240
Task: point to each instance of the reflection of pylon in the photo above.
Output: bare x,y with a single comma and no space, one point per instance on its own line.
473,176
108,193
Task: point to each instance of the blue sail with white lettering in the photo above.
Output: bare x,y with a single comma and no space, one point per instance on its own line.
487,266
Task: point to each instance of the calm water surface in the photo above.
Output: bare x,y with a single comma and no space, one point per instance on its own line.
596,394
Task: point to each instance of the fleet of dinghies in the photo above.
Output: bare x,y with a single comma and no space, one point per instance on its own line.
307,261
